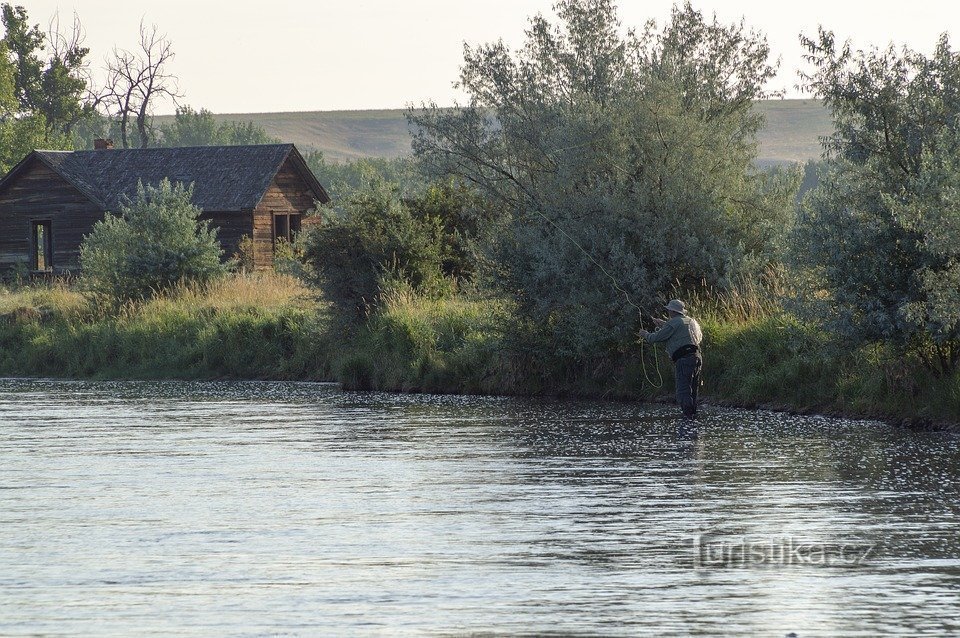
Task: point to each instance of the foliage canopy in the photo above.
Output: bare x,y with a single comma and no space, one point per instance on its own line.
376,237
193,128
881,233
636,146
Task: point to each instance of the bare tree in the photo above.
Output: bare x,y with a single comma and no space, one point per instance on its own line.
135,81
67,82
65,46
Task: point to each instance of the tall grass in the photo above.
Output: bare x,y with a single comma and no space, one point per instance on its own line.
269,326
414,343
756,354
249,326
759,354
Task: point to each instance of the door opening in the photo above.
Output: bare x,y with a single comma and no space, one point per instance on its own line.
41,246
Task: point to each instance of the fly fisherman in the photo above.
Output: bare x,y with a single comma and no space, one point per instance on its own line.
682,337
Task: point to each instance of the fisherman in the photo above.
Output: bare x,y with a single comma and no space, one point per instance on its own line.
682,336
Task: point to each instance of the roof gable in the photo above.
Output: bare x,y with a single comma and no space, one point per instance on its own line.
34,163
225,178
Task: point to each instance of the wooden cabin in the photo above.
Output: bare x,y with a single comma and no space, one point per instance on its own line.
52,199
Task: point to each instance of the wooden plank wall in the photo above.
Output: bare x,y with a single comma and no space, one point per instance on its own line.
39,194
288,193
232,226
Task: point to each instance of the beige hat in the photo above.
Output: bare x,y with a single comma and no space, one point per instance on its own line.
676,306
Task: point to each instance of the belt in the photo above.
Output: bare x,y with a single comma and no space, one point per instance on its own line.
683,351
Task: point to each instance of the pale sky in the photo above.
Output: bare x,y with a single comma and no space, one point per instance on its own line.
282,55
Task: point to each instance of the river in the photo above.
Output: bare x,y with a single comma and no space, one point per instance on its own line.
286,509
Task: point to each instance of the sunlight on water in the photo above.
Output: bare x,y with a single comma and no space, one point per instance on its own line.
200,509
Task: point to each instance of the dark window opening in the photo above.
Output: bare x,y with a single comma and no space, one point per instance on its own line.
285,227
281,227
41,247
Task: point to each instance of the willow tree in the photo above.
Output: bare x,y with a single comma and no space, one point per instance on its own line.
881,233
620,163
50,88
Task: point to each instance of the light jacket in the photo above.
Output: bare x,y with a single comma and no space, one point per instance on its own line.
678,332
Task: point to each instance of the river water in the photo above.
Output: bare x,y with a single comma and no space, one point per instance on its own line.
283,509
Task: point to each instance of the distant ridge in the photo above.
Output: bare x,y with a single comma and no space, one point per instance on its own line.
791,135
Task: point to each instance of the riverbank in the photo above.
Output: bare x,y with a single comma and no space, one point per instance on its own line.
272,327
755,357
246,326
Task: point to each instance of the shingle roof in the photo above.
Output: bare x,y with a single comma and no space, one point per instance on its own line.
225,178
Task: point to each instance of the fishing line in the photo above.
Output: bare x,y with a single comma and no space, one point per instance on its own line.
626,295
613,280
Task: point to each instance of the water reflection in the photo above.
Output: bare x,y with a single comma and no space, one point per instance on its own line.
280,508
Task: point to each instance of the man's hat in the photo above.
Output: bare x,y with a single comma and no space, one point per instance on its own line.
676,306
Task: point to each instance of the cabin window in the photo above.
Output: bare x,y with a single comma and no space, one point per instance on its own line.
285,227
41,246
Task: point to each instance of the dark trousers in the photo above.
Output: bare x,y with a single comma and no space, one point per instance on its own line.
687,370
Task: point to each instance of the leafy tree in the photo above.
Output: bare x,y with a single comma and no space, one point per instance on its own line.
881,231
54,88
19,133
375,237
619,165
342,179
464,221
155,242
192,128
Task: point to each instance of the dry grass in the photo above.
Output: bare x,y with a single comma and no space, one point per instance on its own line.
236,292
243,326
240,292
57,297
747,301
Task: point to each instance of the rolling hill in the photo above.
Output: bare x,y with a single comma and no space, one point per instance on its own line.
791,134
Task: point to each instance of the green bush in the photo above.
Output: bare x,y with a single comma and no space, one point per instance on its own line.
881,233
192,128
155,243
374,238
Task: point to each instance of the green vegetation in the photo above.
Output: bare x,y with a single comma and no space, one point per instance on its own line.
267,326
757,355
192,128
377,238
244,326
620,166
591,174
881,234
40,99
156,242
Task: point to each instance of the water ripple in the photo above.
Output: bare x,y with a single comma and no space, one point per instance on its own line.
255,508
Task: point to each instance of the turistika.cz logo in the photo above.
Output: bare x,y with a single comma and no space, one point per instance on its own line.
727,551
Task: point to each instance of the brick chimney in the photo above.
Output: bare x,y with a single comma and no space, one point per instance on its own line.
102,144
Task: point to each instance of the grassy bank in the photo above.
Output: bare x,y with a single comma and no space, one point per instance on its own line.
271,327
755,356
258,327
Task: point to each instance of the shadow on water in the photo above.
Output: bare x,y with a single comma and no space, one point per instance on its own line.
260,507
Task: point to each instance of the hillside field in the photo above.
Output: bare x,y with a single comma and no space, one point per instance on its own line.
791,134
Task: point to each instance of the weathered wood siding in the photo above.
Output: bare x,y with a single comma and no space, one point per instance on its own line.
40,194
231,227
288,193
